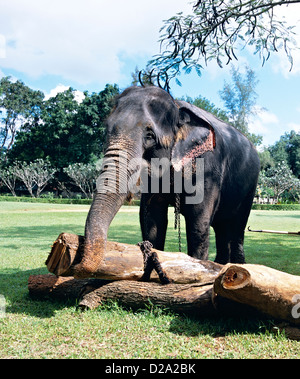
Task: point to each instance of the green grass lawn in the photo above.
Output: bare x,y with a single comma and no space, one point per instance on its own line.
47,329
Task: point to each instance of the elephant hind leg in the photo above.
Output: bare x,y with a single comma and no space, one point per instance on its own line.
238,229
237,239
229,242
237,249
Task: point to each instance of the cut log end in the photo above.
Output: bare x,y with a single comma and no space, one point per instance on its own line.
66,251
235,277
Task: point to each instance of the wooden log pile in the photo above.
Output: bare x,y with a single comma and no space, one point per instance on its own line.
194,286
127,262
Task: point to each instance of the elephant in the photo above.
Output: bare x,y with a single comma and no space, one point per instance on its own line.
148,124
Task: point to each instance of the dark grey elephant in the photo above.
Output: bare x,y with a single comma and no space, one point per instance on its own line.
148,123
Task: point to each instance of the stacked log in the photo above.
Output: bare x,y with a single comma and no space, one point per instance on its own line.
270,291
195,286
126,262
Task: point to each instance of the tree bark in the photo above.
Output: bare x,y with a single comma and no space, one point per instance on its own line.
270,291
125,262
183,298
51,286
193,298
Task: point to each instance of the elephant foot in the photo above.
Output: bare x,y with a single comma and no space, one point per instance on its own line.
91,261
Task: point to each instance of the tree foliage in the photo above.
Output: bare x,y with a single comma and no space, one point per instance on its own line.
279,179
84,176
19,106
239,98
215,31
288,149
280,169
67,132
57,132
34,174
9,177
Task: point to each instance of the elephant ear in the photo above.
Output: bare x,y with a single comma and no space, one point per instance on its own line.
195,135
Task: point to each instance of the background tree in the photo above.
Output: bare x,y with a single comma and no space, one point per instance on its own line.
84,176
44,172
34,174
19,106
9,177
89,140
288,149
280,179
49,137
68,132
216,30
266,160
239,98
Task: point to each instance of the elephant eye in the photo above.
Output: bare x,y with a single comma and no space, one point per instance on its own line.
149,135
149,138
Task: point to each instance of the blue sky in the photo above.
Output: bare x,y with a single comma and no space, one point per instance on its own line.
51,45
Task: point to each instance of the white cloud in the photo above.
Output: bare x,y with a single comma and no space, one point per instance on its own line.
56,90
266,124
79,96
294,126
81,40
2,46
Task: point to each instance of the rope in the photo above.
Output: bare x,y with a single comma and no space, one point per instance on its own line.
151,262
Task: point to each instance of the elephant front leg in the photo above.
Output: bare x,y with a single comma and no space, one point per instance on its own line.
154,219
197,234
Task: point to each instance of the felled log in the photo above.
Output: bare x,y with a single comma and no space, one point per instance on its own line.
185,298
270,291
192,298
59,288
126,262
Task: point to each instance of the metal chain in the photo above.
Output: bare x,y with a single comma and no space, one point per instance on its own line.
145,219
177,218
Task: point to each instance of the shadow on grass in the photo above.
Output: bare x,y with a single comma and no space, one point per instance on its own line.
221,326
33,233
14,288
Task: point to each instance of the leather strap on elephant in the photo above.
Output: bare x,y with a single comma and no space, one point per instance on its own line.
151,262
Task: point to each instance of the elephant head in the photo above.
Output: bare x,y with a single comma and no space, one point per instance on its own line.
145,123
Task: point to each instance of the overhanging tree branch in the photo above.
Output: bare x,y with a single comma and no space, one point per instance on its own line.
216,30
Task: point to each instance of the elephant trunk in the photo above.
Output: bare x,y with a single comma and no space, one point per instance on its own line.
112,191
